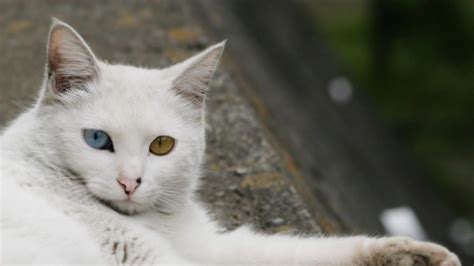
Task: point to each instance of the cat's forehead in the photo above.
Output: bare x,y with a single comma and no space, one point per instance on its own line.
123,77
134,98
147,90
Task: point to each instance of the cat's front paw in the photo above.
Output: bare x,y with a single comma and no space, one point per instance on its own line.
406,251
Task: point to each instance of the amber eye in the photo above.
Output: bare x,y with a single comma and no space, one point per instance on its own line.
162,145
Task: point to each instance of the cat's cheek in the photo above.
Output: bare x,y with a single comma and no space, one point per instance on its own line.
96,167
101,179
106,193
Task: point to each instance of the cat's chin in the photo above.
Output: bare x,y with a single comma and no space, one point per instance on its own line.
127,207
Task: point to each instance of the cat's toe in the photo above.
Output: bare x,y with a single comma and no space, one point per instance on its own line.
406,251
451,260
436,254
420,261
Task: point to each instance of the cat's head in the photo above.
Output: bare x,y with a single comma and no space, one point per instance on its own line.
135,136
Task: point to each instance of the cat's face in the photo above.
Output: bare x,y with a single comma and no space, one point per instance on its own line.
135,136
132,107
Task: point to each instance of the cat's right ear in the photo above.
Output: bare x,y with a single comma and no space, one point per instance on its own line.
71,63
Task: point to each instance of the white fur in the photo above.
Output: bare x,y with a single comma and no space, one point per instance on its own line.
61,202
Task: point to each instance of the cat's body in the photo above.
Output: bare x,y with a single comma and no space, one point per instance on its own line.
124,201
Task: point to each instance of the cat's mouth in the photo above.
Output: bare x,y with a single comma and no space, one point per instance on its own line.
128,200
128,207
125,206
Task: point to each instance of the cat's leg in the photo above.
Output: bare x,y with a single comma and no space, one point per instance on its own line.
124,241
198,239
132,247
244,246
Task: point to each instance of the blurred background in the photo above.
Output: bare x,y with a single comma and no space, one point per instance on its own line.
414,62
326,116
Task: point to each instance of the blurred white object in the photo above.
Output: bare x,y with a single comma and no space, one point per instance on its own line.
340,90
402,221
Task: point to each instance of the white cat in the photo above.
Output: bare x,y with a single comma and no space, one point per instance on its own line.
102,170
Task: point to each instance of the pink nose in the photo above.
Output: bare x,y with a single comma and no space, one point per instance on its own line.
129,185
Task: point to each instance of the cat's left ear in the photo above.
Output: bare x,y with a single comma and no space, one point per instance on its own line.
196,72
71,63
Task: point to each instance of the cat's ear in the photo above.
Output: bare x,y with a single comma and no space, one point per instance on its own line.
71,63
196,72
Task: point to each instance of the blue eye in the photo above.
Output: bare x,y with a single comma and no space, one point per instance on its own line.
98,139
